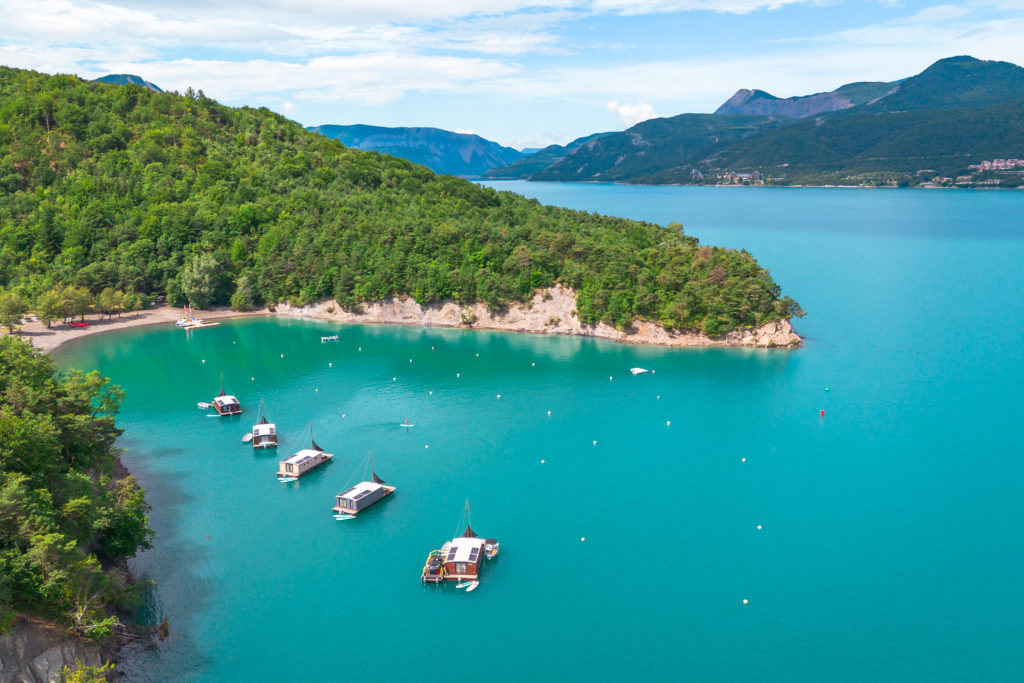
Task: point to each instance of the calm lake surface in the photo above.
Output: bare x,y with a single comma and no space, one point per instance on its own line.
890,541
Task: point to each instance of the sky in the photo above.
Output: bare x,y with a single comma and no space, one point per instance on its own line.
525,73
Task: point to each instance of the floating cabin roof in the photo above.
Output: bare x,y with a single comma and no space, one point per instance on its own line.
263,429
225,399
302,456
463,549
360,490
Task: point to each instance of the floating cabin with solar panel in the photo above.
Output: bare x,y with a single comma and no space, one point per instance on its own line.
459,559
226,404
303,461
362,495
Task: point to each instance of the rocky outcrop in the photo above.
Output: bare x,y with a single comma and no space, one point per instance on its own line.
551,311
35,652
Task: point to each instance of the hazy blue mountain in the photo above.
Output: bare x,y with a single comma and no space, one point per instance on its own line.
541,159
957,112
442,151
128,79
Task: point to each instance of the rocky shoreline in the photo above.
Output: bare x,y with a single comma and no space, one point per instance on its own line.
552,310
35,651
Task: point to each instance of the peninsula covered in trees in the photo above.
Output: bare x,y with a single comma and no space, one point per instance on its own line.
121,189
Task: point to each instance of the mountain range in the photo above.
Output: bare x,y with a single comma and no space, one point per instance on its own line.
442,151
127,79
932,127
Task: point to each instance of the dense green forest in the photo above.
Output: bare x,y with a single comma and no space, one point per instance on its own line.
63,516
122,189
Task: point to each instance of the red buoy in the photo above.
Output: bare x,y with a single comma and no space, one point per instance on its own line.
823,413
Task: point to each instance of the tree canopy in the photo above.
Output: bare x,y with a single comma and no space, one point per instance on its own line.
120,187
62,512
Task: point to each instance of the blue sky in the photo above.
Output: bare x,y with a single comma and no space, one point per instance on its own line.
521,72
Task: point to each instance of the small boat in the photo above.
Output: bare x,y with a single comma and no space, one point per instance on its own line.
472,586
406,424
247,437
332,338
460,559
491,549
354,500
204,405
264,432
638,371
303,461
342,518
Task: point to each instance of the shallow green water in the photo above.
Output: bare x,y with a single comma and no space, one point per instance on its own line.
890,542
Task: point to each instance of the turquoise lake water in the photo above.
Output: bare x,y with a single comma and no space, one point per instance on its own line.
890,542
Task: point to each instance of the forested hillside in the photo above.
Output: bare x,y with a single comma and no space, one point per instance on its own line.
61,510
120,188
935,127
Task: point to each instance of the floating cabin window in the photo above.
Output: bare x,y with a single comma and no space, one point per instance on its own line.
460,567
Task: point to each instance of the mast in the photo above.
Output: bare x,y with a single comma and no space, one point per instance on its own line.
314,446
468,533
373,475
263,418
221,385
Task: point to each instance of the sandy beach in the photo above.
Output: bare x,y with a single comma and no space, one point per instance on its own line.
49,339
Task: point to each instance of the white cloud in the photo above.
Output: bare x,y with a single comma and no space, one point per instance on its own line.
289,109
631,114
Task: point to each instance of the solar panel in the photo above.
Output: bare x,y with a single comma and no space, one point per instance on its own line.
451,555
473,554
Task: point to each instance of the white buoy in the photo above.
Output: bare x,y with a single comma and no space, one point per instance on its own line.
758,527
427,446
457,374
478,355
743,459
541,462
204,360
316,390
499,395
533,364
583,539
410,360
609,377
549,412
431,348
343,414
282,355
394,379
431,393
360,348
330,365
745,601
595,443
659,397
668,423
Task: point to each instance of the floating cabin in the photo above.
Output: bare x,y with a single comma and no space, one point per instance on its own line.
459,559
226,404
264,432
362,495
303,461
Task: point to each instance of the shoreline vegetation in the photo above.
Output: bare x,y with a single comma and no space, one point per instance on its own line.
121,193
70,515
550,311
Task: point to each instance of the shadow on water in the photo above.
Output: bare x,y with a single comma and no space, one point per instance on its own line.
170,565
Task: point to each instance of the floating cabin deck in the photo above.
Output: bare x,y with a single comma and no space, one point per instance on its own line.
226,404
459,559
303,461
361,496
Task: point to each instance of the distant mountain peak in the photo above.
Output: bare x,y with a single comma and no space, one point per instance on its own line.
128,79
